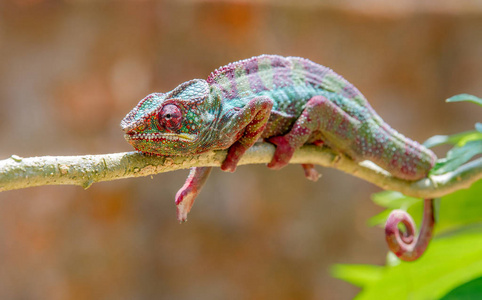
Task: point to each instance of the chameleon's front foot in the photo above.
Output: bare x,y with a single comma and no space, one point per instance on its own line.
187,194
283,153
251,120
234,155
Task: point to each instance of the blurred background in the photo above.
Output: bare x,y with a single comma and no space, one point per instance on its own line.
71,70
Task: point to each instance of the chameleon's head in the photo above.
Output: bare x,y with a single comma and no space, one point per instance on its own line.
174,123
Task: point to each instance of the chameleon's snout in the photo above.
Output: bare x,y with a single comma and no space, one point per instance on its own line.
127,124
138,116
127,137
130,125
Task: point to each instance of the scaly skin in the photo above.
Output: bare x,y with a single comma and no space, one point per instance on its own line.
289,101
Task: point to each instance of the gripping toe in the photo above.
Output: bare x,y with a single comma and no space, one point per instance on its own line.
283,152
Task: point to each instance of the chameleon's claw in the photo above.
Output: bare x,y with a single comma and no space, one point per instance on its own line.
184,202
283,152
229,166
310,172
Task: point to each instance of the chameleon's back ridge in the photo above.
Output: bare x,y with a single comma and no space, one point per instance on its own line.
270,72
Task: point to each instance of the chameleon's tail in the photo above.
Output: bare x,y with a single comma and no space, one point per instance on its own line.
407,245
399,155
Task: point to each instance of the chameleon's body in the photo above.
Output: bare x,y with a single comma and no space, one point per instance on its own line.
289,101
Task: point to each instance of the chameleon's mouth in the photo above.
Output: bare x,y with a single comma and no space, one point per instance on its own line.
185,137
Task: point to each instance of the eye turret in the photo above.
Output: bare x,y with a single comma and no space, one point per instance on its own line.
170,117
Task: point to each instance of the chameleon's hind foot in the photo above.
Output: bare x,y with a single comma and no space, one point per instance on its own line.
300,133
283,153
282,156
310,172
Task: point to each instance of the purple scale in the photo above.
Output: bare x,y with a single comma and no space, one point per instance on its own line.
255,82
281,68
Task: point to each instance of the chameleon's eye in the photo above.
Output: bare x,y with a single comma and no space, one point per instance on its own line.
170,117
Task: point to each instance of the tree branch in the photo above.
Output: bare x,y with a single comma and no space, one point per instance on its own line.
17,172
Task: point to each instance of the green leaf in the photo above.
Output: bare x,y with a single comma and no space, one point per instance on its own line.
437,140
459,209
467,291
474,136
450,268
392,199
448,263
380,218
359,275
415,210
465,97
458,139
457,156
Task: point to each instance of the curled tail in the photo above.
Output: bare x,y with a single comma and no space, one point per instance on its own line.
407,245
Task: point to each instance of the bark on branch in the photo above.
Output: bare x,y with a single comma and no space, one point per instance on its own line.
17,172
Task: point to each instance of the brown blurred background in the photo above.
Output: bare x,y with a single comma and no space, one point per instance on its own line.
70,71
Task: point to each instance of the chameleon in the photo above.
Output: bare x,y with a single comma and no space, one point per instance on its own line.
286,101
